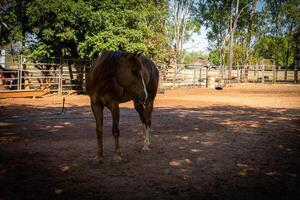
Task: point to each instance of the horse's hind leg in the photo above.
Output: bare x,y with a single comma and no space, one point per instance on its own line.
115,111
98,114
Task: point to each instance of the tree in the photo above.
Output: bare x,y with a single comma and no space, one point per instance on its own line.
79,28
251,14
57,27
232,28
127,25
13,21
214,15
214,57
296,37
221,18
292,18
182,23
190,57
277,41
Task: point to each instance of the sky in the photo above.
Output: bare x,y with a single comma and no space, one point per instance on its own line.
199,41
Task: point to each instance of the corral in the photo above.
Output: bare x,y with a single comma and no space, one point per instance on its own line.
242,142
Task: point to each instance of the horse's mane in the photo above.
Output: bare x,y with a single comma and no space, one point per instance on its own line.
101,78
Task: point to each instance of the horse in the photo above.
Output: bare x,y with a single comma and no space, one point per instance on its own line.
118,77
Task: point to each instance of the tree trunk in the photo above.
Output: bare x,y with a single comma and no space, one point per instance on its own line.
230,54
233,23
288,50
287,60
277,34
296,55
181,14
249,37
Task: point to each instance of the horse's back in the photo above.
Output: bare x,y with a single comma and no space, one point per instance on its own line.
99,79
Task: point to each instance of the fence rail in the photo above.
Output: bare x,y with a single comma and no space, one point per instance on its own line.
264,74
65,75
58,75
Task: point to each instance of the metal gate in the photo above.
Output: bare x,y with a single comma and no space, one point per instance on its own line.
185,75
47,74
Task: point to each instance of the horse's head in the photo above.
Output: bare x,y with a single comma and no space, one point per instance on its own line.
130,75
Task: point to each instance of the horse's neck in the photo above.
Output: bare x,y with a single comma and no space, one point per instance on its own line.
127,95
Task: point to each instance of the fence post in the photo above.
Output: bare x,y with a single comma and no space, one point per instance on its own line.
274,74
19,83
84,77
295,75
206,76
263,74
200,76
194,78
18,80
60,77
175,75
160,81
238,73
256,72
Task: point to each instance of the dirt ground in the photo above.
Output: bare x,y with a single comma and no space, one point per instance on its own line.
237,143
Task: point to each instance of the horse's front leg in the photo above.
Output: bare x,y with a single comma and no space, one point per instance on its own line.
98,114
145,116
115,111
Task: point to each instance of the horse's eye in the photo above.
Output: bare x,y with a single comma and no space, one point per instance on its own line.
135,72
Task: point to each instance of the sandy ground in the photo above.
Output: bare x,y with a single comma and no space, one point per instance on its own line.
238,143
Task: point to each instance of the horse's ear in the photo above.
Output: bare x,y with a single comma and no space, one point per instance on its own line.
95,55
135,55
104,50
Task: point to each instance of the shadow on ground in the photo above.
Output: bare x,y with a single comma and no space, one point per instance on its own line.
216,152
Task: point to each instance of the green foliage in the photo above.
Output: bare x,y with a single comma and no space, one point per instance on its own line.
214,15
272,28
12,21
266,47
79,28
238,59
214,57
190,57
120,27
58,26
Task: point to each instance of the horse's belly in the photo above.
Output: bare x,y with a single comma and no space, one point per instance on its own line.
124,99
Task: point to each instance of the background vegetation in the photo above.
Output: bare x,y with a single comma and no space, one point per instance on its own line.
240,32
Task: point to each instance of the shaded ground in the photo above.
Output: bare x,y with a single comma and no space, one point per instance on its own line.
238,143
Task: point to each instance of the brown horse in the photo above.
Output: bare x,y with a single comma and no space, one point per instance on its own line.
118,77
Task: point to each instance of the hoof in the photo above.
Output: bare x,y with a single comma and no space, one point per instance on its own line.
95,162
117,161
145,150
